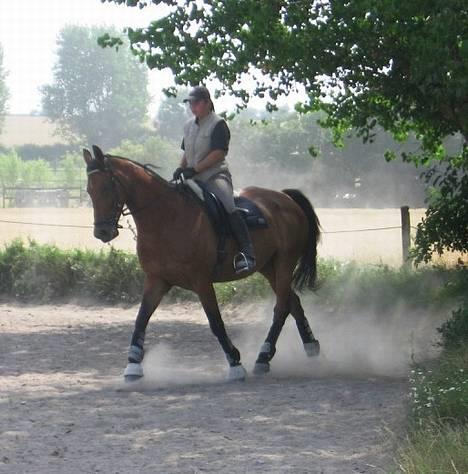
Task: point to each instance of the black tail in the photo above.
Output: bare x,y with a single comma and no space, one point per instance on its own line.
305,273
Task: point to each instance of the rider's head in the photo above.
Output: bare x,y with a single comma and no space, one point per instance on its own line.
200,101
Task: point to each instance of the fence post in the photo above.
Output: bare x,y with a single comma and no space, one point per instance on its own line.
405,234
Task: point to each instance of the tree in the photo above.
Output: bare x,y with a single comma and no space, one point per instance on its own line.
154,151
72,170
402,66
14,171
172,114
383,60
3,90
36,173
445,225
98,96
276,153
10,168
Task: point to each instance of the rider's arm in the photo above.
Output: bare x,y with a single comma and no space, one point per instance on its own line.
183,161
214,157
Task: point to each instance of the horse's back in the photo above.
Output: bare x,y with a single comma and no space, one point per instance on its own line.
275,204
287,223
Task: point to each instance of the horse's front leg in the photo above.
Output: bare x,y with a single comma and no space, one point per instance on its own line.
209,302
153,292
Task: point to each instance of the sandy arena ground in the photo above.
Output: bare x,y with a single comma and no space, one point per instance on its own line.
65,409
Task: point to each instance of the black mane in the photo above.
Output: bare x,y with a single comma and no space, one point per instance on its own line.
148,167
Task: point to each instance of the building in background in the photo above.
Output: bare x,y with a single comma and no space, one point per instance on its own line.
21,130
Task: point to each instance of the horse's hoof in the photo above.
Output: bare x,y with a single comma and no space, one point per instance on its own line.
261,368
132,378
133,372
236,373
312,348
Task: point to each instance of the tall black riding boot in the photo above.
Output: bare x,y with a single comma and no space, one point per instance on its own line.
244,261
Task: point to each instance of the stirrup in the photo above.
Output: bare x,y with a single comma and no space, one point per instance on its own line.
243,263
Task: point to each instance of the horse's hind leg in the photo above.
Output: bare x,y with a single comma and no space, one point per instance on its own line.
153,293
280,281
311,345
209,302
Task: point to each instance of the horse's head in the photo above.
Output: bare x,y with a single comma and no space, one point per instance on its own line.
106,194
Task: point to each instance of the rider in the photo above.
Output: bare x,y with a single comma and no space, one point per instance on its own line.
205,145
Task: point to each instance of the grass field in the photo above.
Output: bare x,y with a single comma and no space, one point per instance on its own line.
377,246
22,129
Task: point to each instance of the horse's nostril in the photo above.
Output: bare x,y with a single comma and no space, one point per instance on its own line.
100,233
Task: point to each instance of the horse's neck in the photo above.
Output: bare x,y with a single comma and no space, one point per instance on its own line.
150,197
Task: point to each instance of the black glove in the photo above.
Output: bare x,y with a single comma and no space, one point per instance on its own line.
177,173
188,173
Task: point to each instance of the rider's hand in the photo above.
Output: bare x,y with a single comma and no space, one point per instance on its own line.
177,174
188,173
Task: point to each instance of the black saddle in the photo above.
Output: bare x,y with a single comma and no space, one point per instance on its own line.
218,216
252,214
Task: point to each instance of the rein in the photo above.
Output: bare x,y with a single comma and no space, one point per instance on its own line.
120,208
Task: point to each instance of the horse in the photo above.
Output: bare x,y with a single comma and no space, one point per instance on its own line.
177,246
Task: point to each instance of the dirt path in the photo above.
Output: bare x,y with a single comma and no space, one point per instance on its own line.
64,409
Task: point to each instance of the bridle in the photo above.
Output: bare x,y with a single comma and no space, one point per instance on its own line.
119,209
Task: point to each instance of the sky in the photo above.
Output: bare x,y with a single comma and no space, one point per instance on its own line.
28,33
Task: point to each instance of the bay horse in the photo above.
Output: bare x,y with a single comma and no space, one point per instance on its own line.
177,246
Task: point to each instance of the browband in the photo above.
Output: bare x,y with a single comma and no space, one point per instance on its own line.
94,167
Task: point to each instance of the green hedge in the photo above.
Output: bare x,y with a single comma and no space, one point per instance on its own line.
438,405
367,285
45,273
439,389
440,450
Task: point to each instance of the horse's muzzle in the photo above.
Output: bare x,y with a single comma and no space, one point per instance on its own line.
105,232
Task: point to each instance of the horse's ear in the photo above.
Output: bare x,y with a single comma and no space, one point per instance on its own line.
98,154
87,156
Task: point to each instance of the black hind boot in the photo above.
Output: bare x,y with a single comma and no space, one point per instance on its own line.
244,261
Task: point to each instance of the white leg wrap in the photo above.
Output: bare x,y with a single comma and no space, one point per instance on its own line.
312,348
261,368
236,373
133,370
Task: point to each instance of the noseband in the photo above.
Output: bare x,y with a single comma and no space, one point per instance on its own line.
118,205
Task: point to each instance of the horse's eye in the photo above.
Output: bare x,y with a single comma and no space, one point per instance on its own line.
107,188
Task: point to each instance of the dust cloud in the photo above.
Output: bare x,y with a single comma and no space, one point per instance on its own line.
359,344
352,343
60,395
164,366
355,176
